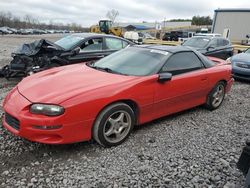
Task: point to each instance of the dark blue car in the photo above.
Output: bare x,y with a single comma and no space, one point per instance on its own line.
241,65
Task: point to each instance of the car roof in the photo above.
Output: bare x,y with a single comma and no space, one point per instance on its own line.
171,49
176,49
210,37
93,35
87,35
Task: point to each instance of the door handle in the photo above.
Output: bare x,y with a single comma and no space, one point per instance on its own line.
100,56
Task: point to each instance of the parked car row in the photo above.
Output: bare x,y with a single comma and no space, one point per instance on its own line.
182,35
8,30
75,48
177,35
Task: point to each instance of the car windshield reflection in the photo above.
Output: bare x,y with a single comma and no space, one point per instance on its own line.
133,61
69,41
198,42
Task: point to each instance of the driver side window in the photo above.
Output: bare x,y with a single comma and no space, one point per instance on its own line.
92,45
213,43
182,62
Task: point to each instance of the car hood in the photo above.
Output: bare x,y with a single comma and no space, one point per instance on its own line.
59,84
242,57
35,47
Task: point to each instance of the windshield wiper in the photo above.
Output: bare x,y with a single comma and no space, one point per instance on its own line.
106,69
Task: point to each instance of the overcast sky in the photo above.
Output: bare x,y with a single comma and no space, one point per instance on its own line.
88,12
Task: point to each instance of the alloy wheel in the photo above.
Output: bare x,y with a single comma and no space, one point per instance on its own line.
117,126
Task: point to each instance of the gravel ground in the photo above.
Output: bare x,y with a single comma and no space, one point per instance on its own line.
195,148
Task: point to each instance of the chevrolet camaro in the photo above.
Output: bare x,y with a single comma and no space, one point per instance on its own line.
104,100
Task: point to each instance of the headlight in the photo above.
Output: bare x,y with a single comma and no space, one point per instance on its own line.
229,59
46,109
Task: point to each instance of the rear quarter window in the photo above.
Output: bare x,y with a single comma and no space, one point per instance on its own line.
225,42
114,44
182,62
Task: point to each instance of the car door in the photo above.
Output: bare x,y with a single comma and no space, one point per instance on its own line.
112,45
187,88
219,47
90,49
212,48
227,48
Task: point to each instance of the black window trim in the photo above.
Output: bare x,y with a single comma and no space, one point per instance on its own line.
203,66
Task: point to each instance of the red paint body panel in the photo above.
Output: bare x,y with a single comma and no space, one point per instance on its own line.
84,92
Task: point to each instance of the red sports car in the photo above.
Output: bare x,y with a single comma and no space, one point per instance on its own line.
106,99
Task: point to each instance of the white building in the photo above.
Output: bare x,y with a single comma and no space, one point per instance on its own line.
236,20
153,24
176,24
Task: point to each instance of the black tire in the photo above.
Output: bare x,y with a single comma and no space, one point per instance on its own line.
102,123
211,99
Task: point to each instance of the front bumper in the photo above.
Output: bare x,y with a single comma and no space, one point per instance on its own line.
241,73
16,108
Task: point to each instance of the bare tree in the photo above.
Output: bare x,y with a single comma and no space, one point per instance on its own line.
28,21
112,14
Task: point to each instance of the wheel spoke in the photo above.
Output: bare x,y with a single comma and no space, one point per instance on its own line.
118,134
109,132
215,94
111,128
124,125
112,121
220,93
120,117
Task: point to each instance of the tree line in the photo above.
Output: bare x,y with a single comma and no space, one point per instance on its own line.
196,20
27,22
202,20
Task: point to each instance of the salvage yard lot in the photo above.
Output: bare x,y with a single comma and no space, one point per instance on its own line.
194,148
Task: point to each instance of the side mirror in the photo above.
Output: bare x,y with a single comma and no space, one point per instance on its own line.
163,77
210,48
50,47
76,50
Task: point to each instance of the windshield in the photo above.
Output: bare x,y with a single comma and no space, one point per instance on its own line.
133,61
197,42
247,51
69,41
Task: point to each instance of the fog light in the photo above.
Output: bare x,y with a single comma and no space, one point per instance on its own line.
45,127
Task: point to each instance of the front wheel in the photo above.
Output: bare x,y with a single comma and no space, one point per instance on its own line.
216,96
114,124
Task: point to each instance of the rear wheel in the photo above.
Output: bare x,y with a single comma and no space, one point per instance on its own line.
114,124
216,96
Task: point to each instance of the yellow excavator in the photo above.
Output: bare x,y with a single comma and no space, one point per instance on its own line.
106,26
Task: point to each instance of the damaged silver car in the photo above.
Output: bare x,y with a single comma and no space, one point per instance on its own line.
43,54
